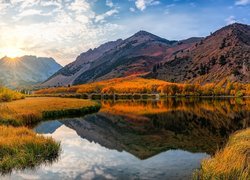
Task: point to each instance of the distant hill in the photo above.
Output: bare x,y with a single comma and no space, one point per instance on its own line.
224,55
26,70
134,55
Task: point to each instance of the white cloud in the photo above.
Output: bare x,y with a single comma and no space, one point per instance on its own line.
242,2
22,4
142,4
30,12
101,17
132,9
109,3
79,6
66,30
51,3
230,20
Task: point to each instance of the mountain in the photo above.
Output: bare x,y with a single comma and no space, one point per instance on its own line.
222,56
135,55
26,70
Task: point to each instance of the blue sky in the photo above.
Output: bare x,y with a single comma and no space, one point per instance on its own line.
64,28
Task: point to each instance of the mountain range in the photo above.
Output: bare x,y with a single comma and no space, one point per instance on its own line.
135,55
26,70
223,55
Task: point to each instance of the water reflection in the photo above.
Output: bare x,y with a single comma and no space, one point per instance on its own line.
141,139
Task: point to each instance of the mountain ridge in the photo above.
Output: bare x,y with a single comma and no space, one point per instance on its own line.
134,55
26,70
223,55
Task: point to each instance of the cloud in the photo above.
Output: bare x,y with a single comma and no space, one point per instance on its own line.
142,4
132,9
30,12
51,3
109,3
79,6
242,2
101,17
55,28
230,20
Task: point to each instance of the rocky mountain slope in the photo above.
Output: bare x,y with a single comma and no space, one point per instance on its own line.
224,55
26,70
135,55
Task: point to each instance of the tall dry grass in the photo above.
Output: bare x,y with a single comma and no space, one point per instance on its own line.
21,148
32,110
232,162
7,95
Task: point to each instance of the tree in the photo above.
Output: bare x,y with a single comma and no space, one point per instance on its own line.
236,72
213,61
222,60
223,44
203,69
154,69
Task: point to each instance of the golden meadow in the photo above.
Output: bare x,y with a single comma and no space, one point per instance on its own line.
20,147
138,85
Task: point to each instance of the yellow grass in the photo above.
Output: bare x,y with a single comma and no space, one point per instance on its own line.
232,162
20,148
7,95
31,110
134,84
131,84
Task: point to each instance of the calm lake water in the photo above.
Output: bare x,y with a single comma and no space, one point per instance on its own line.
140,139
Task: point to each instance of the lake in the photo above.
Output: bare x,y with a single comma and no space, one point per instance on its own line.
164,139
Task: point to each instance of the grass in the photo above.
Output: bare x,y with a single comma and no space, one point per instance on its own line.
30,111
21,148
134,85
7,95
232,162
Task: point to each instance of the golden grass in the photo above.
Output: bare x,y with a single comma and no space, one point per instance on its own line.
7,95
131,84
21,148
135,84
232,162
32,110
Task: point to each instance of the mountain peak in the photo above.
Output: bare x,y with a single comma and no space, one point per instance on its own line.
142,33
235,27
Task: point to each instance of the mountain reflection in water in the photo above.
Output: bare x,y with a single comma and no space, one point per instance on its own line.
141,139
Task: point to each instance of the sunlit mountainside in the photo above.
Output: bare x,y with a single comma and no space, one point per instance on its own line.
223,55
26,70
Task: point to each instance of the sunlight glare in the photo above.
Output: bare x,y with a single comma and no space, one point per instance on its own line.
11,52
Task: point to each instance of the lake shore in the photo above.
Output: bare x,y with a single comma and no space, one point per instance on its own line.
20,147
30,111
232,162
131,96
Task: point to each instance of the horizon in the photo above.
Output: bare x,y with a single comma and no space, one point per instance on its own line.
92,23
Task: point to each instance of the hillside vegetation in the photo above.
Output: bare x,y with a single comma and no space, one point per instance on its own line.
134,84
7,95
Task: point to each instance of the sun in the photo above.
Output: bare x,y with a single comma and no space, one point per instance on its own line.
11,52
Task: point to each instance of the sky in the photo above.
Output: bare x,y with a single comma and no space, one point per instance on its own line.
63,29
